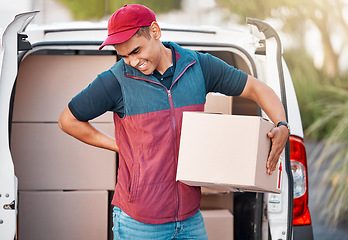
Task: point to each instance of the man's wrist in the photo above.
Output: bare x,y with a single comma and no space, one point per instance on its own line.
284,124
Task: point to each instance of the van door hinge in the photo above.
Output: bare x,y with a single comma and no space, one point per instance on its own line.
23,43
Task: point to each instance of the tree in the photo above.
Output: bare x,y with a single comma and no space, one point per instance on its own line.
97,9
327,16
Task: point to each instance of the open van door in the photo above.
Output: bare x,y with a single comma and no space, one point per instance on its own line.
288,212
12,41
279,206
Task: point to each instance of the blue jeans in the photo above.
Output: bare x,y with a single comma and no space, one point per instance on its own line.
126,228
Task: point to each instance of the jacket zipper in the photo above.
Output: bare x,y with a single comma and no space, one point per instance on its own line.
174,146
174,134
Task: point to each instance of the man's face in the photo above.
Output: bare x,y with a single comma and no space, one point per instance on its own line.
140,52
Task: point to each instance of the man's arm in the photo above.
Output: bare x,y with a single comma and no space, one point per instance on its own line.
269,102
85,132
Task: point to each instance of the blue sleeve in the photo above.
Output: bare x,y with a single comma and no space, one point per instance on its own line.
102,95
221,77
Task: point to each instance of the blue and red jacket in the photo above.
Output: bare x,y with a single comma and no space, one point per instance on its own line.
148,138
148,134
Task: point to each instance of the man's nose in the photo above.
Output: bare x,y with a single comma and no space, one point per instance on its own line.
133,61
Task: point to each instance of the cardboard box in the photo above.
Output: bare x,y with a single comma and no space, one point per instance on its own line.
211,201
218,103
219,224
46,158
58,215
226,152
46,83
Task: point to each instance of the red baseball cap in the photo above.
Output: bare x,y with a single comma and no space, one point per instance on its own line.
126,21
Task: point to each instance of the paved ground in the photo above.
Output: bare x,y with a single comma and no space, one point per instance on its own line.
320,230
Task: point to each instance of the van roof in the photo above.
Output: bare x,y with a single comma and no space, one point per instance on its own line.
97,31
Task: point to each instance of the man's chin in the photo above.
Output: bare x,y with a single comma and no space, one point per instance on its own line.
146,72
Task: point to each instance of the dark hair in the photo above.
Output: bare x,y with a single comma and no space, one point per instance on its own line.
143,31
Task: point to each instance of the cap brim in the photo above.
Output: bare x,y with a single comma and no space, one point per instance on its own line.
119,37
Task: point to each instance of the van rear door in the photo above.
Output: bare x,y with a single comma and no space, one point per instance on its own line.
11,39
279,206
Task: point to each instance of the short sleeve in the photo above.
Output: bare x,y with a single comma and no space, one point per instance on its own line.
102,95
221,77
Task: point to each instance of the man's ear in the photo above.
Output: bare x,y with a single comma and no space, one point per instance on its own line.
155,30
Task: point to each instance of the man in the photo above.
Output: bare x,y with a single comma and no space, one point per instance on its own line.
148,89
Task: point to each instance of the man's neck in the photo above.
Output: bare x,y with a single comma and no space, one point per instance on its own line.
166,60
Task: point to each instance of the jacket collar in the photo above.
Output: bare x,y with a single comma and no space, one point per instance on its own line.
183,58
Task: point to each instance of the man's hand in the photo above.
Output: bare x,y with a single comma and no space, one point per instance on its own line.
279,136
85,132
270,103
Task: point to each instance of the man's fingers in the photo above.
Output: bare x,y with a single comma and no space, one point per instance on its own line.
273,159
272,133
278,139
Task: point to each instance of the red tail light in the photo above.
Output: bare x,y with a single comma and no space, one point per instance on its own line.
301,215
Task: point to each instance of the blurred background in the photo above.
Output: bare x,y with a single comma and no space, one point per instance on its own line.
314,34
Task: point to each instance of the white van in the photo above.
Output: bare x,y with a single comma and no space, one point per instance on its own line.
54,187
